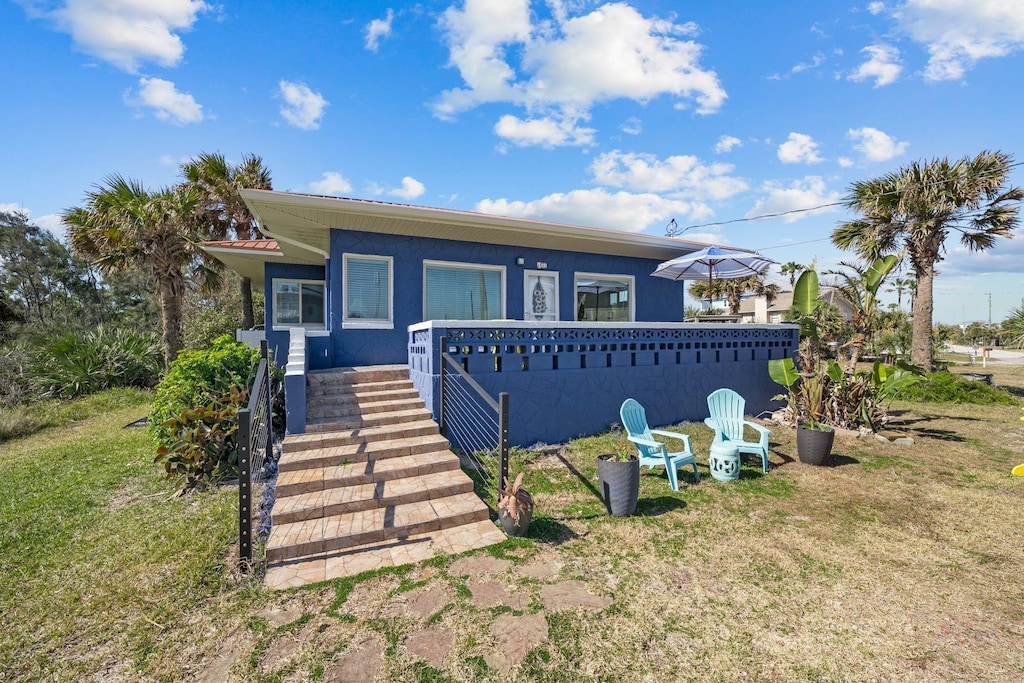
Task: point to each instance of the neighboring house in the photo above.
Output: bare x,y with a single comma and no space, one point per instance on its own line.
757,309
352,283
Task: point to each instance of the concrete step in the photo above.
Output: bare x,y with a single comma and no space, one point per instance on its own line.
303,571
337,501
312,479
361,452
371,373
331,391
344,437
357,394
390,418
320,411
336,532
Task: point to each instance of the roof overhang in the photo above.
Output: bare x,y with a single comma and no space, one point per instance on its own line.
248,260
302,224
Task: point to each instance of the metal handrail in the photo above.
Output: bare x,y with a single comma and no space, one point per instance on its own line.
255,445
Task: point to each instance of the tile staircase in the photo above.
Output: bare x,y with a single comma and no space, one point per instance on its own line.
371,483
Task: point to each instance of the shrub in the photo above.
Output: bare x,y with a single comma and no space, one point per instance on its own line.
15,386
946,387
80,363
198,377
205,449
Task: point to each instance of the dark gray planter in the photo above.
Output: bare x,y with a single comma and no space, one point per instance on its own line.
516,527
619,483
814,446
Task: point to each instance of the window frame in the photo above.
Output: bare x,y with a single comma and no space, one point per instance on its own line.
631,279
348,323
466,266
528,293
276,325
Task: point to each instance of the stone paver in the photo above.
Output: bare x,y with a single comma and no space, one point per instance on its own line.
571,595
423,602
540,570
232,649
281,651
481,564
359,663
276,616
433,645
513,638
488,593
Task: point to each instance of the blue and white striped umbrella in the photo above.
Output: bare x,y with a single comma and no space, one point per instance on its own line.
714,262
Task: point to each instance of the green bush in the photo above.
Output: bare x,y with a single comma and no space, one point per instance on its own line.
946,387
198,377
205,449
80,363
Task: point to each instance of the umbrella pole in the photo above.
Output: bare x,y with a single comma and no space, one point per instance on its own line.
710,268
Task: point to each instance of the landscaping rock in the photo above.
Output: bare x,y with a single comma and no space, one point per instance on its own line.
540,570
432,645
513,638
492,594
422,602
570,595
898,438
481,564
360,663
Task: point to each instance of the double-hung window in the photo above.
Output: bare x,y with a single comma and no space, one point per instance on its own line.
369,283
463,291
299,303
605,298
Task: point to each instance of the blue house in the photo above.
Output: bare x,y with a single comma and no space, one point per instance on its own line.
566,319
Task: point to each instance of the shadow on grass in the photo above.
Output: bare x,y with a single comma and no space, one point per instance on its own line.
939,435
579,475
652,507
547,530
839,460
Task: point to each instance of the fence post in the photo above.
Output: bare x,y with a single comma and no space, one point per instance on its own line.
503,440
244,489
268,379
443,387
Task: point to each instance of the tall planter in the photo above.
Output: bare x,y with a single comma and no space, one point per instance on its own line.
814,446
620,483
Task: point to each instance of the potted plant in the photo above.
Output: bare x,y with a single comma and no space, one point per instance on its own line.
515,507
618,476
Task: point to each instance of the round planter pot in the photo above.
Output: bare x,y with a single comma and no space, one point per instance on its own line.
513,527
814,446
619,483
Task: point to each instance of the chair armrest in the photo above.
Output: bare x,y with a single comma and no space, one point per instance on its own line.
650,443
685,438
759,428
713,423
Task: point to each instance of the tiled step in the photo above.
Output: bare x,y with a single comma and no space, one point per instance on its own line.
350,561
321,478
344,437
361,452
375,373
337,501
358,393
326,534
391,417
322,410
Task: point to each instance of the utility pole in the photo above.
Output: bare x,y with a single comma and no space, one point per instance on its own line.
989,294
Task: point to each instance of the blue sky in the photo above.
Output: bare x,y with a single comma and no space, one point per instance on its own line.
620,115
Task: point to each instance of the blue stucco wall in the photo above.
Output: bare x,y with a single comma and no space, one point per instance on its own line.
656,299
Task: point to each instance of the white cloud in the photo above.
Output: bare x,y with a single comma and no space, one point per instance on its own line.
567,65
876,7
876,145
600,208
815,62
800,194
377,29
726,144
50,222
543,132
332,183
632,126
799,148
410,189
125,33
845,162
166,102
685,176
302,107
957,33
883,65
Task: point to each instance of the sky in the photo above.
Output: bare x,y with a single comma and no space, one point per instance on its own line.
625,115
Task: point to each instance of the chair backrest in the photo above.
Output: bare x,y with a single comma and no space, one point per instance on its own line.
726,408
634,419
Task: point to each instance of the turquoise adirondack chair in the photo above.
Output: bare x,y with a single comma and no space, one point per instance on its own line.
726,407
654,453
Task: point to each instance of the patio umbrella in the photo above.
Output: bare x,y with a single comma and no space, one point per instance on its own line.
713,262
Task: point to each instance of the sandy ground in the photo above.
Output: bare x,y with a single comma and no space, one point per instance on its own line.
995,355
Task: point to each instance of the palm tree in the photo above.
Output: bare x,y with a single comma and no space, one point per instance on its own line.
792,268
217,181
733,290
912,211
859,285
900,285
123,226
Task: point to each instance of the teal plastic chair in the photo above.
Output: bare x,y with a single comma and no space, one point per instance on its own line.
654,453
726,408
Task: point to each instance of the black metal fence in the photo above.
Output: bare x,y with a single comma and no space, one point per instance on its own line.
475,422
255,447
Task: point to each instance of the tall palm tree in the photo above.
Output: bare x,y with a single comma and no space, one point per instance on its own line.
123,226
913,210
792,269
218,181
733,290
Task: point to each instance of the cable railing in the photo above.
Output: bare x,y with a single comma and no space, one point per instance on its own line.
255,448
477,423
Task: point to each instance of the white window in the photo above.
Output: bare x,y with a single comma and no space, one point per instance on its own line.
299,303
369,283
540,295
605,298
463,291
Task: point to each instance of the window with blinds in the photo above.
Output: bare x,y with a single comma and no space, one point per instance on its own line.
299,303
368,296
457,291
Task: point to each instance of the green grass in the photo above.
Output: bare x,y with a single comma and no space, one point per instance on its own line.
946,387
25,420
99,570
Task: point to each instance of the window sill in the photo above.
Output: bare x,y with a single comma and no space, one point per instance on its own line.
309,332
367,325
